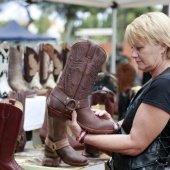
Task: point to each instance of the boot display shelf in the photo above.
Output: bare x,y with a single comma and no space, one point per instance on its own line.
31,159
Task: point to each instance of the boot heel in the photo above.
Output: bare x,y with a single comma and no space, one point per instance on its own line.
51,158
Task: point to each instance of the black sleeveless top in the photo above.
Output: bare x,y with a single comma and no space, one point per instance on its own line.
155,92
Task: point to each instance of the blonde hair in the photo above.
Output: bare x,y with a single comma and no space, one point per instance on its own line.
152,27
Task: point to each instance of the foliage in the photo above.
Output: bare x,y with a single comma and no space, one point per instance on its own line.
42,24
76,17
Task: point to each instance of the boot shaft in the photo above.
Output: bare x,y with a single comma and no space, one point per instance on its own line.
4,64
10,121
46,54
58,64
31,64
81,69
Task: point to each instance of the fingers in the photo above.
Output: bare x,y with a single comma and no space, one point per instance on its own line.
100,113
74,117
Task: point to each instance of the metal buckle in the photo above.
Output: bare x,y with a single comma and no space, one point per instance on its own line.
70,102
53,146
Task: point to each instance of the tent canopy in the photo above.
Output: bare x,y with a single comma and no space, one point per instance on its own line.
14,32
110,3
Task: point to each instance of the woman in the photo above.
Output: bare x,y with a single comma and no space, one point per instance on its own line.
144,139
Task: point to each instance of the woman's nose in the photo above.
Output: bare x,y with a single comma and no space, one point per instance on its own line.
134,53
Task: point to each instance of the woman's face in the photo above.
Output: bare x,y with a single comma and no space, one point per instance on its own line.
147,56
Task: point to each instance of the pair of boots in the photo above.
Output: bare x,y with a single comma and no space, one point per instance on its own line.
71,93
11,113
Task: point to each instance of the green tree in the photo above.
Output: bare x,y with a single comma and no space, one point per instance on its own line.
42,24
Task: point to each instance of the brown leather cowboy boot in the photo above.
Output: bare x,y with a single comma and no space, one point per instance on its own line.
75,84
71,93
57,145
103,97
10,121
65,52
43,129
46,55
31,70
58,64
15,77
31,63
103,100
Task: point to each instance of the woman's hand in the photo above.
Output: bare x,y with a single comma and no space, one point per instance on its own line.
103,114
73,125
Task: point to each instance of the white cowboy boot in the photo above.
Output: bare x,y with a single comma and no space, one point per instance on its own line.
4,62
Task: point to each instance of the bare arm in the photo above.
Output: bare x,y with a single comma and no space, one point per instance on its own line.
148,123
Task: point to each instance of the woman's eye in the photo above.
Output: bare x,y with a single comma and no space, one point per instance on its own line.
138,48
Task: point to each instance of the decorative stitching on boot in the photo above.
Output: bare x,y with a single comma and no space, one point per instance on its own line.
56,145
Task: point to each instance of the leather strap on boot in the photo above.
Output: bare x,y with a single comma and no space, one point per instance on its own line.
56,145
70,103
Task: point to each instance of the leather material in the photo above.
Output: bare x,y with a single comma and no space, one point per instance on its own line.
46,53
21,140
76,81
106,98
65,52
58,64
15,77
10,120
155,155
31,64
57,132
147,160
43,129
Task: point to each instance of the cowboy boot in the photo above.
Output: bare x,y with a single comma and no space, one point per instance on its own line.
43,129
22,139
15,77
65,52
10,120
75,84
46,55
102,100
44,133
31,70
57,145
58,64
4,65
31,63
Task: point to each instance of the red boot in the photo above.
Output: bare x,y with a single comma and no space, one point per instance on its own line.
10,120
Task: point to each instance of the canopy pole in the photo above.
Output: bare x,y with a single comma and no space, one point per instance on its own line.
114,27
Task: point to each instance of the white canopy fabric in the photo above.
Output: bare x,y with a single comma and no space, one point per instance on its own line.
109,3
114,4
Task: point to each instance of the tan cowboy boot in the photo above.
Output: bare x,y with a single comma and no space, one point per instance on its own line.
57,146
15,76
